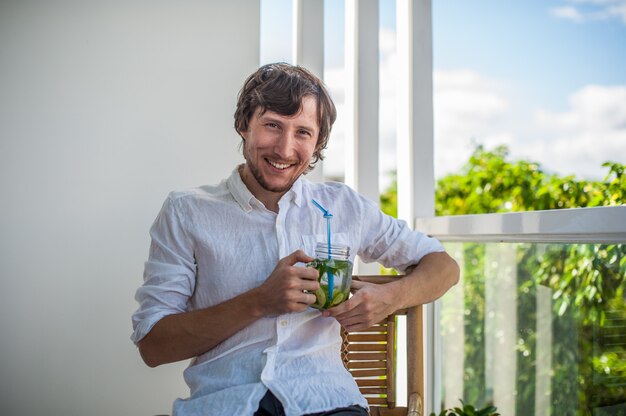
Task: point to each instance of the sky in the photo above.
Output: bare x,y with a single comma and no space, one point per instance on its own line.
547,78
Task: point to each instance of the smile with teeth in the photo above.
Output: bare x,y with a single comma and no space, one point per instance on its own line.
278,165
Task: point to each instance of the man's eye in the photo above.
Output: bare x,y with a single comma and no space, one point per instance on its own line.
304,133
272,125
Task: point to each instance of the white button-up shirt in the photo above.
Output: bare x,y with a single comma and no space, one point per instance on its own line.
213,243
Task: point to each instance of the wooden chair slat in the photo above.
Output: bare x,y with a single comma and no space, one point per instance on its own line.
368,373
376,337
374,390
371,382
367,364
376,400
369,355
361,356
369,347
374,328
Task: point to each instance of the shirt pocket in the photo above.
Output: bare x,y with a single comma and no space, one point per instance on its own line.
309,242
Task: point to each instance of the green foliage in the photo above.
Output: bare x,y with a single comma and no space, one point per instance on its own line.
587,282
468,410
489,183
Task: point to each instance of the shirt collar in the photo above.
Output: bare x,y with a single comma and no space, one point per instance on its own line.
239,190
295,193
244,197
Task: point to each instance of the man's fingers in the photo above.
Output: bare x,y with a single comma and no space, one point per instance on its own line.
352,322
337,311
299,256
347,306
310,298
310,285
356,327
356,285
299,297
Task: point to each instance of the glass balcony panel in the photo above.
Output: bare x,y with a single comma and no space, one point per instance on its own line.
536,329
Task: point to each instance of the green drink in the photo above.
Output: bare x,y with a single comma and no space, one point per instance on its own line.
335,276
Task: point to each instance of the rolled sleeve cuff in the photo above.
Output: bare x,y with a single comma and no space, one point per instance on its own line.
166,291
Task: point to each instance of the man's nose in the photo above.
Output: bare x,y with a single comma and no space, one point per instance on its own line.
285,143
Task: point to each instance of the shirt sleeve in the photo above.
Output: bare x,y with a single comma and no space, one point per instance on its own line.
169,273
390,241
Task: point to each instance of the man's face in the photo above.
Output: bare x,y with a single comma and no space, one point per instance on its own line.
278,149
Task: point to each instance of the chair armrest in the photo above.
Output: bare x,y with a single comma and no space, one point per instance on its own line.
415,407
379,279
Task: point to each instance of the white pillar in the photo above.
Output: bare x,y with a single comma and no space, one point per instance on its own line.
452,324
308,49
543,378
501,325
361,107
416,183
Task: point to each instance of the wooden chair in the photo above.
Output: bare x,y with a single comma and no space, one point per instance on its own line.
370,356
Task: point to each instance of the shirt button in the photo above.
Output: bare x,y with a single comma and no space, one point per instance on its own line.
283,323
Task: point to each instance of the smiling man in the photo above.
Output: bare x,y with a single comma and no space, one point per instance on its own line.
225,283
278,149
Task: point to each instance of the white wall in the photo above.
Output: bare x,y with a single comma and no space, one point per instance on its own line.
105,106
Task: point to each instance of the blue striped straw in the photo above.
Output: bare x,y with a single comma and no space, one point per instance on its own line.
328,216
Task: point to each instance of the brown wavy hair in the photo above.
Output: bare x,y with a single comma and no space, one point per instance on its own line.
280,87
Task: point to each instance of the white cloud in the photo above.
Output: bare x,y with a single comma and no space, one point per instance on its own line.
568,13
471,109
591,132
468,109
585,10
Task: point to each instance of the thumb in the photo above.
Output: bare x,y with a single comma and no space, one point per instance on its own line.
297,257
357,284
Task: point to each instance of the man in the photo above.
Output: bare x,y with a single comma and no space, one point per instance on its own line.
225,283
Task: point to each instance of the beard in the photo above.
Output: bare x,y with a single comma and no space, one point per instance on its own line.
256,173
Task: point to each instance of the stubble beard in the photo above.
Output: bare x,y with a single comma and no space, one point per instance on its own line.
256,173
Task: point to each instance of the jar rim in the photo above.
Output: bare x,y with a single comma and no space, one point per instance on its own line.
324,245
336,250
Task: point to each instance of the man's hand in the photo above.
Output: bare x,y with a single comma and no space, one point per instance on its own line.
284,290
423,283
369,304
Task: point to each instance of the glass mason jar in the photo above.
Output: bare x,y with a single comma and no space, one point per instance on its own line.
335,275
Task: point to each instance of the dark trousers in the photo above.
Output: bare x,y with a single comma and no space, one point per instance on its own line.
271,406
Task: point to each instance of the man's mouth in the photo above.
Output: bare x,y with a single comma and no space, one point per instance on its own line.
278,165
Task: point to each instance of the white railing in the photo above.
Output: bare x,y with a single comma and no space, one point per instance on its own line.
576,225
